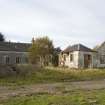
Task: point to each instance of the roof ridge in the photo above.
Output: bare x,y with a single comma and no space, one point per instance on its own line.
15,42
13,46
78,47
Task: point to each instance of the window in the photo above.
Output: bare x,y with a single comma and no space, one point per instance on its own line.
18,60
64,57
89,57
71,58
7,60
102,59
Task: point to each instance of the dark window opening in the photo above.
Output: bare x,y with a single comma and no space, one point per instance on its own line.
64,57
71,58
7,60
18,60
102,59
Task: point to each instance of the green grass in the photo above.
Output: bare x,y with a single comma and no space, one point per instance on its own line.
29,75
79,97
49,75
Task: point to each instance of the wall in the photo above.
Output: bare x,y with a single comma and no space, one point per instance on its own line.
81,59
67,62
78,61
101,51
12,55
96,60
74,63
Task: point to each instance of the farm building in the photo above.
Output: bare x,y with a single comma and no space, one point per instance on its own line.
101,55
13,53
80,56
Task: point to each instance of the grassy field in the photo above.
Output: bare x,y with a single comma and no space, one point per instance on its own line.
28,75
78,97
49,75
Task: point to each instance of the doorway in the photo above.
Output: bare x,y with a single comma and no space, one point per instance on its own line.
87,60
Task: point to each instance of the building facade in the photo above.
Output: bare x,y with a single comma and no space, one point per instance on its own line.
78,56
14,53
100,55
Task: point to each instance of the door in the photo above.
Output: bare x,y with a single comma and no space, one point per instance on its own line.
87,60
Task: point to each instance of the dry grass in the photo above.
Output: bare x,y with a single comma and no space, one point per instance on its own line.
30,75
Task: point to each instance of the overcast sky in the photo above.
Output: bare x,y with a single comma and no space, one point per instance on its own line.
66,22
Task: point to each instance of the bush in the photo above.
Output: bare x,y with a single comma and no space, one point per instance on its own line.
6,71
17,70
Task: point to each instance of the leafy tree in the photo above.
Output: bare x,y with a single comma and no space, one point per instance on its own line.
2,37
41,50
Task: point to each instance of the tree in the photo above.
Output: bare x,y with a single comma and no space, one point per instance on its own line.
55,57
41,50
2,39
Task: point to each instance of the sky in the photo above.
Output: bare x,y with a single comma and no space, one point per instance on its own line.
66,22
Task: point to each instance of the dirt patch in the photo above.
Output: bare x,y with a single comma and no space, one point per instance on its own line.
54,88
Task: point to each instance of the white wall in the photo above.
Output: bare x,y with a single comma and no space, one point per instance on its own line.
78,61
74,63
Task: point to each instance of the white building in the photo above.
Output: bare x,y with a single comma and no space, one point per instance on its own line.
78,56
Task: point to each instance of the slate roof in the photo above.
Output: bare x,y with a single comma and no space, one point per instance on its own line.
11,46
77,47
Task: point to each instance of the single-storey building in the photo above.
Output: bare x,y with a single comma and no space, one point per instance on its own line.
80,56
75,56
13,53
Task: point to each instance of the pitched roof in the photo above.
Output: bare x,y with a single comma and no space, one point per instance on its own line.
100,46
11,46
77,47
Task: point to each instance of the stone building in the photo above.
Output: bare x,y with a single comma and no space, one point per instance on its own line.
13,53
78,56
100,58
